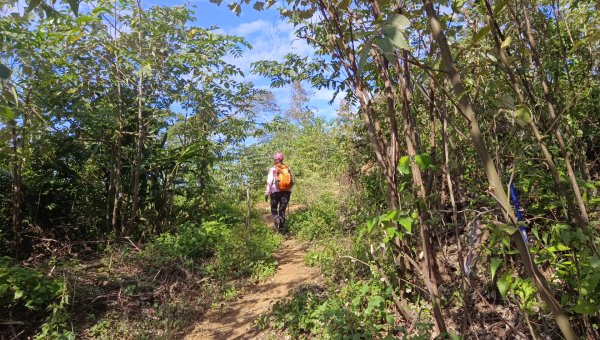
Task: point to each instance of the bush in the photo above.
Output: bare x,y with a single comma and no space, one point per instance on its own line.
219,250
318,222
37,301
360,310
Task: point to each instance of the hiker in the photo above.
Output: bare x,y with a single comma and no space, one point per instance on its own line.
279,188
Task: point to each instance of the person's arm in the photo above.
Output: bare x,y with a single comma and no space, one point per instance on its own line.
270,179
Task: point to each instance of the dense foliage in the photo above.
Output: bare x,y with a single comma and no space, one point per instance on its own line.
132,167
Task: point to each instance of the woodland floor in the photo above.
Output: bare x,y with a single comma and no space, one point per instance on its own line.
236,319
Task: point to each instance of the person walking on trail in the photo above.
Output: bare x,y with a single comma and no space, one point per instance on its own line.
279,188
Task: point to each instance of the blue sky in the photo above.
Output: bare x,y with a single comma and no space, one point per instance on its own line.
270,37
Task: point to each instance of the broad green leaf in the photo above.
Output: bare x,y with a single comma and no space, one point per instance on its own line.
500,5
406,223
74,4
32,5
146,70
494,265
364,54
389,216
504,284
404,165
480,34
6,112
390,233
13,90
235,8
423,161
258,5
589,283
374,301
506,101
507,229
386,45
558,247
398,21
506,42
586,307
344,4
4,72
457,5
523,114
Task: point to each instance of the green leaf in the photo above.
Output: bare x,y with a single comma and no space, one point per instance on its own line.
504,284
506,42
6,112
404,165
586,307
259,6
4,72
364,54
480,34
386,45
457,4
423,161
398,21
32,5
558,247
500,5
235,8
507,229
74,4
406,223
390,233
374,301
146,70
523,114
494,265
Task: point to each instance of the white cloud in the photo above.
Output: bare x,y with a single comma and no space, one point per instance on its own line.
248,28
272,41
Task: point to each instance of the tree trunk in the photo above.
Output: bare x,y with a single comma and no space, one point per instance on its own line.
119,142
16,187
139,147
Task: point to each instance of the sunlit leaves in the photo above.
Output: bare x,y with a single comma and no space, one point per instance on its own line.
506,42
494,265
523,115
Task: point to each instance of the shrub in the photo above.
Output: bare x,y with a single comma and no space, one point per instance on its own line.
35,300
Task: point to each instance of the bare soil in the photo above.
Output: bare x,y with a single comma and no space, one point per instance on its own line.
236,319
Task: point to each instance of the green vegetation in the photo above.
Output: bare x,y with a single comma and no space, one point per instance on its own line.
130,197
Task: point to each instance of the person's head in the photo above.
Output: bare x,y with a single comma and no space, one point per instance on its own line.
278,157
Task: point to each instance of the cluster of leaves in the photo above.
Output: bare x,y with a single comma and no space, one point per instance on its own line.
357,310
40,302
319,221
220,250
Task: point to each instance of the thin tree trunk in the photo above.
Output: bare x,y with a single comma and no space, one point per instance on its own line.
584,219
560,183
140,135
16,187
119,143
495,185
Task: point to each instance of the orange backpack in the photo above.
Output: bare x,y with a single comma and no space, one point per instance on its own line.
283,180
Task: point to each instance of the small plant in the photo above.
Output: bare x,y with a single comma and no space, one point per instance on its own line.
27,293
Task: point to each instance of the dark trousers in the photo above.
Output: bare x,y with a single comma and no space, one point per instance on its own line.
279,202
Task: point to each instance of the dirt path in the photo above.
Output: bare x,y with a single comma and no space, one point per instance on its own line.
235,319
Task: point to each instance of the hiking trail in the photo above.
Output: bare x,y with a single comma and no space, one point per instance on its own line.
235,319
